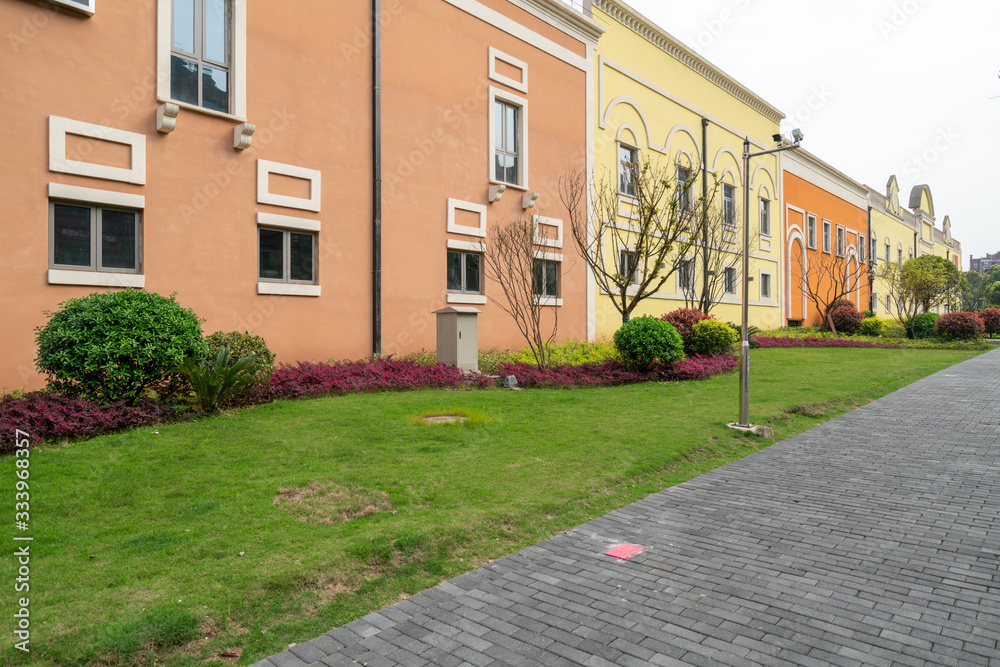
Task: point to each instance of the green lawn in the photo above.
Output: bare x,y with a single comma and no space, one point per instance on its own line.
166,545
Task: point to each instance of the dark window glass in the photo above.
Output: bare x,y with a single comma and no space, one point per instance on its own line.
183,80
302,257
473,272
271,254
71,230
454,270
545,279
507,142
118,240
215,89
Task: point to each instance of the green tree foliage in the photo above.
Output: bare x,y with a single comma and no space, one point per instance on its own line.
242,345
920,284
113,346
713,337
642,340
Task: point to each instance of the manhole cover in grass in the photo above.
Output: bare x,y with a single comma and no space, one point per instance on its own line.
444,419
329,503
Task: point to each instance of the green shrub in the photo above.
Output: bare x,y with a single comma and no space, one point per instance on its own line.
490,359
923,325
867,313
113,346
424,356
713,337
644,339
242,345
571,353
684,320
893,329
871,326
959,326
214,381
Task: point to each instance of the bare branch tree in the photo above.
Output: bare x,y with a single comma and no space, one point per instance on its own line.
642,218
830,278
510,262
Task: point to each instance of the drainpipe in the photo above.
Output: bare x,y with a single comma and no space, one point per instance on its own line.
868,260
704,207
376,178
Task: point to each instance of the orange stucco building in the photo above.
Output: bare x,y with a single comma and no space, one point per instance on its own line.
225,151
826,237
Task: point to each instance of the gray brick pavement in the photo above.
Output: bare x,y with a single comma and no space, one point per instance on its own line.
873,539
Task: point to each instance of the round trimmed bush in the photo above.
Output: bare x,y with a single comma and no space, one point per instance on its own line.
713,337
644,339
923,325
242,345
684,319
959,326
871,326
991,320
113,346
847,319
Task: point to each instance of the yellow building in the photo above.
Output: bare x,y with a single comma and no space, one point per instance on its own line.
659,101
899,234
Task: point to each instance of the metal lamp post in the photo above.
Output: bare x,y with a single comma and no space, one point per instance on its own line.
744,422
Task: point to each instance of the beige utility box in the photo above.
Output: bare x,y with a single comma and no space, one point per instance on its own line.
458,337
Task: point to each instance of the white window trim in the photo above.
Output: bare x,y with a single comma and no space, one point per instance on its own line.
85,7
736,280
624,196
770,222
466,246
497,54
288,222
474,299
875,302
549,300
863,256
60,127
96,278
769,298
827,225
815,221
631,249
841,246
288,289
548,256
509,98
92,196
548,222
237,56
459,205
264,196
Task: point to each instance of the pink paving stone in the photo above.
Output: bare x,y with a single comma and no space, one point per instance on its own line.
624,551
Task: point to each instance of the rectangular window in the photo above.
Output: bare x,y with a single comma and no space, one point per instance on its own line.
628,265
899,256
628,168
685,275
840,241
811,241
94,238
200,53
765,287
465,272
765,217
728,205
507,140
874,302
729,280
545,278
888,303
684,188
286,256
887,253
826,236
862,249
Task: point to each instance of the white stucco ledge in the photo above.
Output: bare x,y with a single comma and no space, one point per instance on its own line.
96,278
288,289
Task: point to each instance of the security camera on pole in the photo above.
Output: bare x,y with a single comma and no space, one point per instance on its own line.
744,423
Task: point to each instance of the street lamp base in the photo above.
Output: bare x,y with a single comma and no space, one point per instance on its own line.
762,431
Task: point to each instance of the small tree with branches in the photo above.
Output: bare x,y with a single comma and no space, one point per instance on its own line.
510,261
644,223
920,284
830,278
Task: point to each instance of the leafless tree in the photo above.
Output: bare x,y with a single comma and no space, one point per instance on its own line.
643,217
830,277
510,261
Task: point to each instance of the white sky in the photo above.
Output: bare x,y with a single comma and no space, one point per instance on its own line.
895,87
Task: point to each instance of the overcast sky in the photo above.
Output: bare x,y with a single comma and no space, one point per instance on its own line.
879,87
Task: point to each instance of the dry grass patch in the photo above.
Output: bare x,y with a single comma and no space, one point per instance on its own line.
330,504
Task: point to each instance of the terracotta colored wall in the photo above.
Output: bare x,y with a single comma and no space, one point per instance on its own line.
814,199
309,96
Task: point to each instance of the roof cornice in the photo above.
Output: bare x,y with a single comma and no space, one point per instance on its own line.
655,35
584,26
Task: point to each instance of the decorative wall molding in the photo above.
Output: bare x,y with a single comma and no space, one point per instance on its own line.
264,195
288,222
166,117
495,55
96,278
60,127
459,205
288,289
243,136
541,221
93,196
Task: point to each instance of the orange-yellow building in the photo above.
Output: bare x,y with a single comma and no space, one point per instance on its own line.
826,238
225,150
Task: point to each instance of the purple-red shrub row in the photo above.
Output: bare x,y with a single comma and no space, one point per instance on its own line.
320,379
612,373
44,415
812,341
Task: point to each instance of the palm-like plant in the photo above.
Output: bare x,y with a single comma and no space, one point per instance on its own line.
216,380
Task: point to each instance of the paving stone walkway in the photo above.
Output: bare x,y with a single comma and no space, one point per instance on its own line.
873,539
